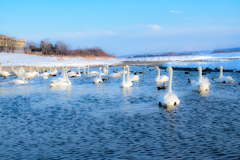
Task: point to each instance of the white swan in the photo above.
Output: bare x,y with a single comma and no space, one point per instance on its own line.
132,77
18,81
223,79
161,78
19,72
45,74
202,84
78,74
169,99
60,79
128,83
119,74
4,73
30,74
62,84
71,74
53,72
99,79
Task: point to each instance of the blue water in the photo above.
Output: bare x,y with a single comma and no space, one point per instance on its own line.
105,121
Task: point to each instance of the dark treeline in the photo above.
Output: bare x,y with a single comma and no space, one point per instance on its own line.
61,49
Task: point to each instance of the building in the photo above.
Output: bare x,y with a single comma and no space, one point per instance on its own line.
9,44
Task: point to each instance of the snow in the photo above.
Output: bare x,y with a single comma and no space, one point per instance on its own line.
233,64
208,60
19,59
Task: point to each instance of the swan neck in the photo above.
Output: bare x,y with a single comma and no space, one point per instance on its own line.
0,67
84,71
170,80
11,65
99,72
107,69
123,82
158,71
67,77
78,70
127,73
221,71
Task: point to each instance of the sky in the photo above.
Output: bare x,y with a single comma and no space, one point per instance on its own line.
125,27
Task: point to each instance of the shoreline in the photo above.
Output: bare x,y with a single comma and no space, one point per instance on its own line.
131,63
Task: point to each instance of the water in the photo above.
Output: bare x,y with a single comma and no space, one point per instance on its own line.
104,121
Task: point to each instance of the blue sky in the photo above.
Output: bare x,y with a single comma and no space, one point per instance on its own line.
126,26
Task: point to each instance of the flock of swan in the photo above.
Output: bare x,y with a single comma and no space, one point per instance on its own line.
168,99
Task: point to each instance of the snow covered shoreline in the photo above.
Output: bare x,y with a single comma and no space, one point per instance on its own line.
19,59
227,60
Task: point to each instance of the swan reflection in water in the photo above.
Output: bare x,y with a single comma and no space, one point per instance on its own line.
126,93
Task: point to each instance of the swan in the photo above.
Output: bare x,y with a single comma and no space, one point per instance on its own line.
169,99
53,72
161,78
132,77
45,74
99,79
118,74
60,79
128,83
30,74
71,74
223,79
62,84
19,72
202,84
4,73
78,74
19,81
97,73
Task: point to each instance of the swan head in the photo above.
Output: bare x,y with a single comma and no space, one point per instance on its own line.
8,61
219,67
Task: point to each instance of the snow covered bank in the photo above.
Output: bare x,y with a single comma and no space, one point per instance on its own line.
234,64
206,57
42,61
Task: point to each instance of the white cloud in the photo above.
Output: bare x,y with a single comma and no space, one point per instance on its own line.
152,26
173,11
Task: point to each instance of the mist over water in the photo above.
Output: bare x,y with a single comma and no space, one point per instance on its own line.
105,121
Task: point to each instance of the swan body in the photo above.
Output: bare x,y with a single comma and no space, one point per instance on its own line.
30,74
223,79
60,79
127,83
4,73
202,84
71,74
19,72
18,81
99,79
169,99
119,74
62,84
131,77
161,78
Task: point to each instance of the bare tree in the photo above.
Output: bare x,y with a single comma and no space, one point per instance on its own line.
31,45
